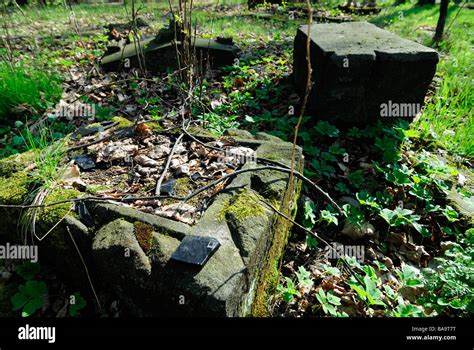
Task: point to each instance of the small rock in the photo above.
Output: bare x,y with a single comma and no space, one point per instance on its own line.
174,163
160,151
116,150
180,149
182,170
366,229
71,172
146,171
410,293
5,276
349,200
79,185
84,162
168,187
371,253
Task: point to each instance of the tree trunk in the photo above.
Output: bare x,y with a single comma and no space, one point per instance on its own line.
443,12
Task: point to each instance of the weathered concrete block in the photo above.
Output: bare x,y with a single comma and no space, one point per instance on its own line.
129,251
361,73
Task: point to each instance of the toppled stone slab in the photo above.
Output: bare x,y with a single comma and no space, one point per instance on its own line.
130,252
362,73
160,51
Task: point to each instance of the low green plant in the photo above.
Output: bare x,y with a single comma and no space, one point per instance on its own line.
410,276
354,215
449,286
288,291
356,178
217,124
304,278
329,217
48,154
30,297
368,291
329,303
31,90
401,217
27,270
323,128
77,303
309,219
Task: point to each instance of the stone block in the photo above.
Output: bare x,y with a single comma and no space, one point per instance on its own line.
361,73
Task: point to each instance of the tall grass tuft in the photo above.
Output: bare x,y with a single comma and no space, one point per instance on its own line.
26,93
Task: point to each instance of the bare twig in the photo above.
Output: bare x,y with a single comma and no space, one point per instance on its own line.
85,267
306,94
168,162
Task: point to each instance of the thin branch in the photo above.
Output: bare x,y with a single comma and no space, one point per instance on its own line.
85,267
306,94
168,162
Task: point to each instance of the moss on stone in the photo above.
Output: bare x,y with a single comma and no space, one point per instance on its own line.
269,275
13,190
198,131
244,205
15,163
122,122
182,188
144,235
93,125
94,189
155,127
51,215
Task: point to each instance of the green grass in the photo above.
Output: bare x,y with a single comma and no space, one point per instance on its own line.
32,89
48,155
447,116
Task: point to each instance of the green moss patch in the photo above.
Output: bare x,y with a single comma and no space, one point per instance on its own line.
183,187
15,163
13,190
244,205
122,122
155,127
51,215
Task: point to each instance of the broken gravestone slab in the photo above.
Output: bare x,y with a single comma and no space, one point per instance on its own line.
361,73
160,52
131,252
